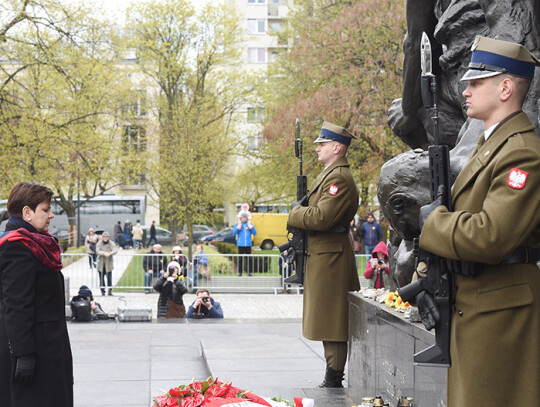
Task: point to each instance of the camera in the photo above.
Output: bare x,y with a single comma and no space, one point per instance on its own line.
205,299
379,262
197,315
171,270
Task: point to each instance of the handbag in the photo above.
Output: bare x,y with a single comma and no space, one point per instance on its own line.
175,310
204,271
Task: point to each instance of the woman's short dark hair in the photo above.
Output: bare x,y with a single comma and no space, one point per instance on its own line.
28,194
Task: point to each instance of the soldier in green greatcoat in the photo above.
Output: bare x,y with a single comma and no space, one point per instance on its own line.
330,268
494,233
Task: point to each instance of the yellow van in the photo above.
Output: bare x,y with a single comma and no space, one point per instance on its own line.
271,229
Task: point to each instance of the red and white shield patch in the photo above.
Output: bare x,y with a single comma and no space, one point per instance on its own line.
517,178
333,190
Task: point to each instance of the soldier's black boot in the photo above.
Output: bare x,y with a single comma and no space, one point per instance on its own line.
332,378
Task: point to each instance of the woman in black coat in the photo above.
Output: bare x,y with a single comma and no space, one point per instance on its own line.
171,289
36,367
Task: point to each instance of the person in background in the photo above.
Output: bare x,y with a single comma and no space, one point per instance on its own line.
105,249
371,232
154,264
137,234
171,288
127,235
153,237
204,306
36,365
244,231
377,269
86,293
178,256
90,241
200,259
244,210
356,236
117,231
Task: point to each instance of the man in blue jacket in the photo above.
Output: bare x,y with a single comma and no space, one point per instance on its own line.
204,306
244,231
371,233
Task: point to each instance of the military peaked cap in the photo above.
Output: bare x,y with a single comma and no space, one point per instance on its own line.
333,132
492,57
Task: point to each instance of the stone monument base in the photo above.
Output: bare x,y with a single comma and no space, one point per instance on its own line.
382,344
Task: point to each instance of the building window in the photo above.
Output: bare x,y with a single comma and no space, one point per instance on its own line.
134,139
275,26
136,105
256,26
257,55
255,114
258,1
273,55
253,142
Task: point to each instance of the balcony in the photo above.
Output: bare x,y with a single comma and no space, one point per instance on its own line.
273,10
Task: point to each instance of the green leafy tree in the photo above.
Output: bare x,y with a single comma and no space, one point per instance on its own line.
347,70
61,106
192,59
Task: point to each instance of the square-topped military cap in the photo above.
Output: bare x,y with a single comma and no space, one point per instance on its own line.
333,132
492,57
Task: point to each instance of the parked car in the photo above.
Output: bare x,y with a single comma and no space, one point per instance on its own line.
164,236
225,235
198,232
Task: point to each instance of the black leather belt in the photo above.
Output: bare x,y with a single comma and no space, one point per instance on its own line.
334,229
523,255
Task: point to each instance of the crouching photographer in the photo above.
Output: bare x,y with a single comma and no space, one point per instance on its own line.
204,306
84,308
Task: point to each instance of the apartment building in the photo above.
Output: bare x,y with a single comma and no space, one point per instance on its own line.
261,20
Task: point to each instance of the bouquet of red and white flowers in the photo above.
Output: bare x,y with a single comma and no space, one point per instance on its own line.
213,393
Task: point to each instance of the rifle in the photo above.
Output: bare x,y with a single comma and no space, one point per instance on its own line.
439,280
296,246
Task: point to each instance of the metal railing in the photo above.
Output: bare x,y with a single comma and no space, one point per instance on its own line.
259,273
237,272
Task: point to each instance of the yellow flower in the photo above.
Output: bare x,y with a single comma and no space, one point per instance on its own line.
390,299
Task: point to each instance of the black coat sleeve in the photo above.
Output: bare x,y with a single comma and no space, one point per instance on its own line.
158,285
180,286
18,272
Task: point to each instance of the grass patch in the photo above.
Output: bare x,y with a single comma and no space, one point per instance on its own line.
133,275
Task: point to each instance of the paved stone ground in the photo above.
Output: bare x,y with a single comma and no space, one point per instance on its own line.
258,346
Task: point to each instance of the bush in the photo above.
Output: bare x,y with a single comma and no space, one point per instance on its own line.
222,267
64,245
259,265
227,248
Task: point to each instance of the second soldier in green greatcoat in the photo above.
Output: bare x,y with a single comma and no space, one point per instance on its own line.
330,268
494,233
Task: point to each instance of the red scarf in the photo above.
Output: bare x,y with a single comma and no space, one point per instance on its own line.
43,246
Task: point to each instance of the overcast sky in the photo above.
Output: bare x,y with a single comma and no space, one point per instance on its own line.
115,10
118,7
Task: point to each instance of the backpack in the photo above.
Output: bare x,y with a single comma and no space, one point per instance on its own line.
80,308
